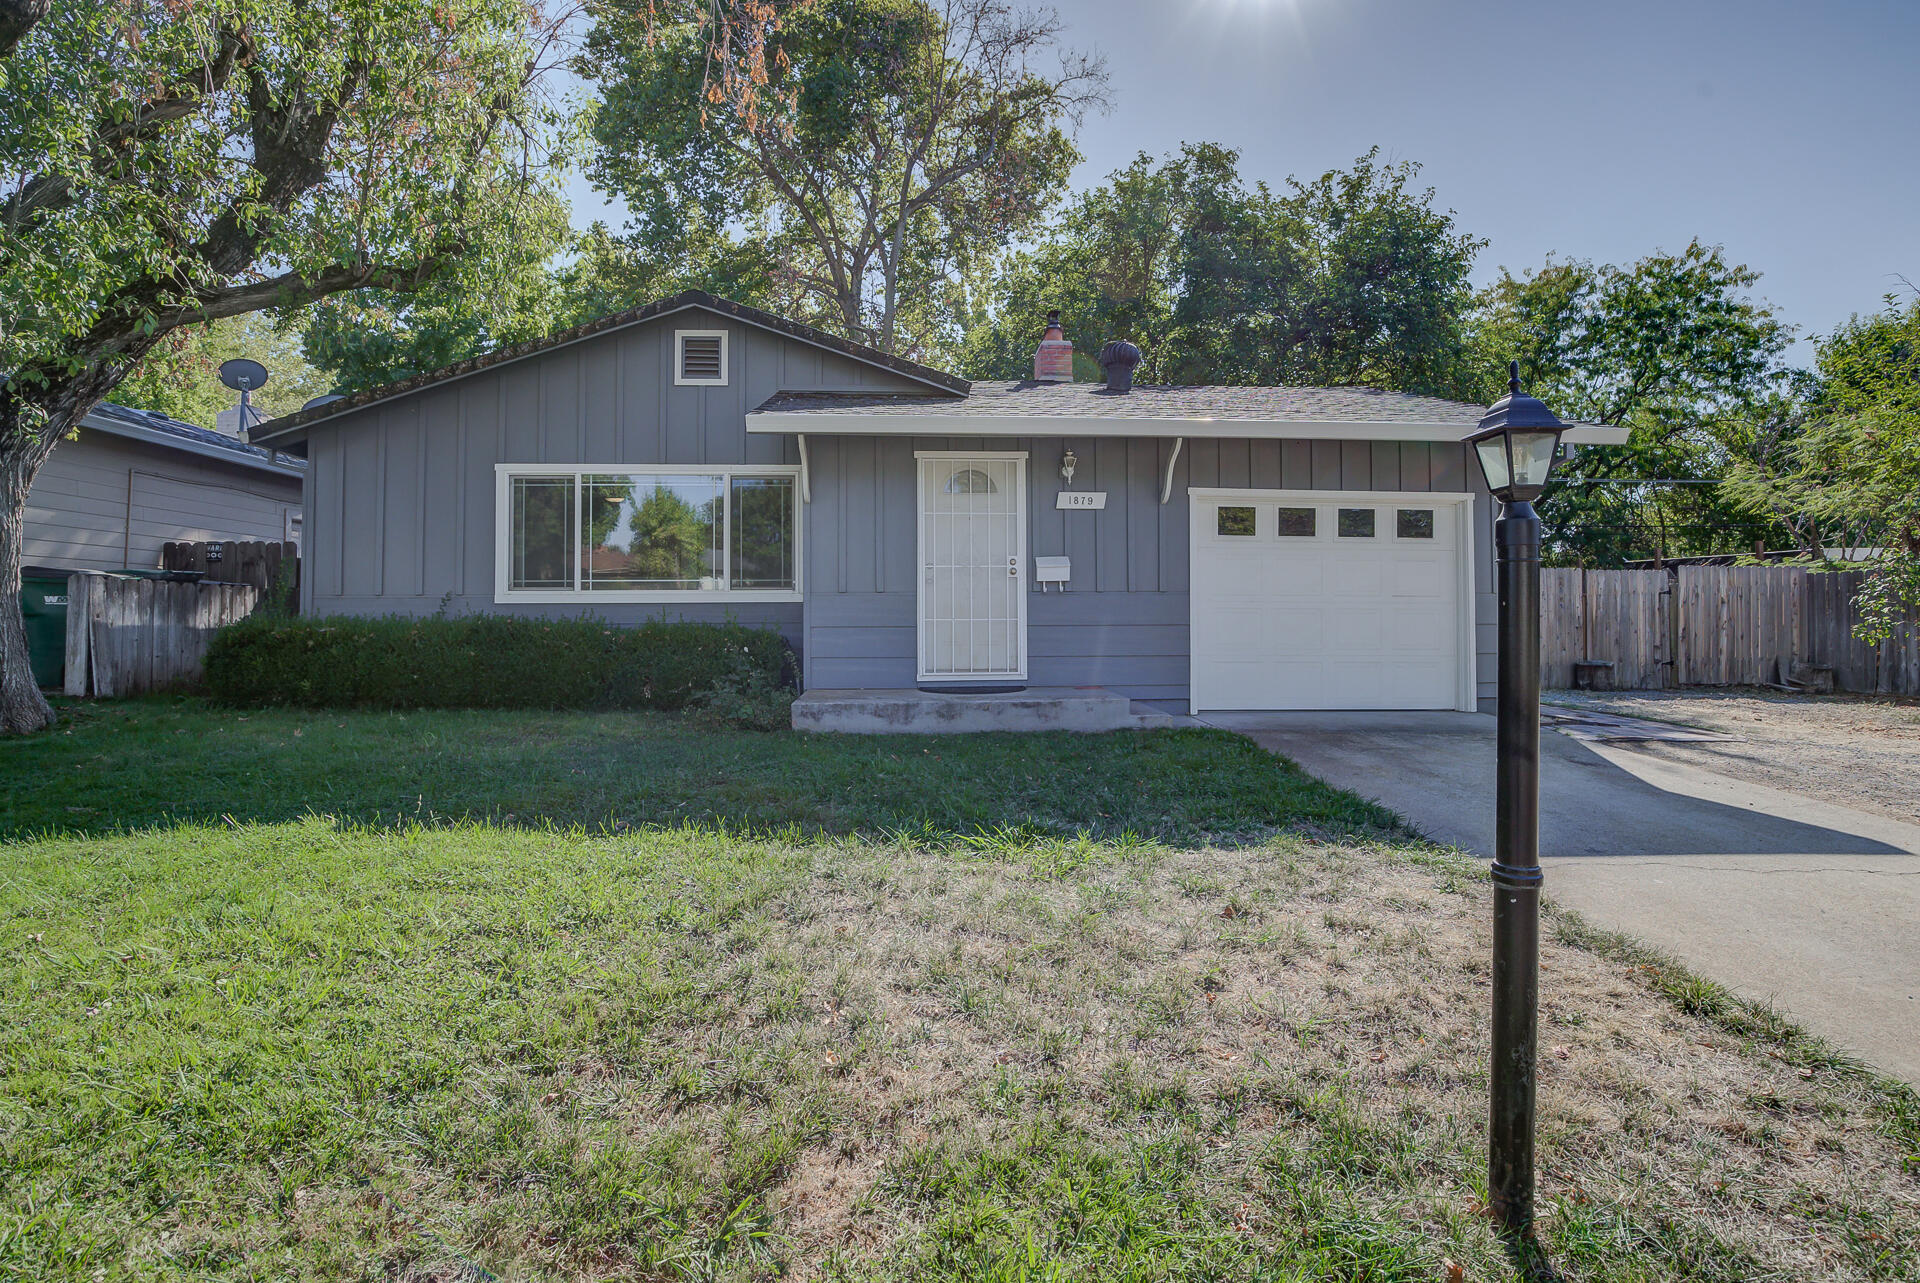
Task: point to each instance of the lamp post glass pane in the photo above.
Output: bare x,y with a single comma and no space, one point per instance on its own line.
1493,462
1533,457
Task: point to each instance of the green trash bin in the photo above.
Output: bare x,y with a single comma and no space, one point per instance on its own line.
43,603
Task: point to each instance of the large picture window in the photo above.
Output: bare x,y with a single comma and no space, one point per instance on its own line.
658,534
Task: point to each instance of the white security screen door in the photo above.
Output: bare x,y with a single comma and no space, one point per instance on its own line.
973,565
1343,600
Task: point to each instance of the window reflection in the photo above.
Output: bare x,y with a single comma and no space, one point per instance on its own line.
760,535
651,532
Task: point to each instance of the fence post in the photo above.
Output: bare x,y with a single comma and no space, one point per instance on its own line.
79,618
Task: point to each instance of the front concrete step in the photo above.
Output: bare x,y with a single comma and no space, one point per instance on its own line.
915,712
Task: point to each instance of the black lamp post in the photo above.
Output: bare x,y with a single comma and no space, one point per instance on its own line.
1516,443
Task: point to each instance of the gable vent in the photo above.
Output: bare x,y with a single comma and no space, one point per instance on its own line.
703,358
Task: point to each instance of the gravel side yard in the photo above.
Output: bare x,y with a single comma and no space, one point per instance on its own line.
1853,750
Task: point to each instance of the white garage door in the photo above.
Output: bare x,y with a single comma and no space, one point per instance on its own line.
1329,600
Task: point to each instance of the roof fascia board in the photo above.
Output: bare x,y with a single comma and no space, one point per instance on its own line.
152,436
1038,425
300,429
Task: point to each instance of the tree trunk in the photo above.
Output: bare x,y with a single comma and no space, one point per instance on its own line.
17,17
22,707
26,440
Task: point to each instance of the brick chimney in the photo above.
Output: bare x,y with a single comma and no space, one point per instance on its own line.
1053,359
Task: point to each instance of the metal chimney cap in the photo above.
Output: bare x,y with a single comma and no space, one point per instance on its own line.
1118,359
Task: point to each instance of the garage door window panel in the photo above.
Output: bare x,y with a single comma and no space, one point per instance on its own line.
1356,523
1414,523
1295,523
1235,522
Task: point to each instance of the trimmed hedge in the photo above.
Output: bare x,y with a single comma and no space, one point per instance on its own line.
485,661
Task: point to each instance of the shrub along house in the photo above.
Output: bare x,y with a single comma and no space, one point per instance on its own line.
1195,548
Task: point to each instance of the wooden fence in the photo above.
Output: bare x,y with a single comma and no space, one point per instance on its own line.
1717,626
269,567
125,636
1617,616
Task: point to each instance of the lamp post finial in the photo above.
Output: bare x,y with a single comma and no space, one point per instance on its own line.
1513,376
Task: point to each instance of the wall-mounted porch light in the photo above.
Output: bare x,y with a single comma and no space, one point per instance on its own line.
1067,464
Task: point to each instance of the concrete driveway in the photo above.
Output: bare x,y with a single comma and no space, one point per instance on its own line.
1799,902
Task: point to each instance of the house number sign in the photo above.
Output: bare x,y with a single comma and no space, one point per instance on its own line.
1094,499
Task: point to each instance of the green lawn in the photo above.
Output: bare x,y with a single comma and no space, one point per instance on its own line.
133,765
521,996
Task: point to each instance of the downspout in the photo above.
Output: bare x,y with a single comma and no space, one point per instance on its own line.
806,485
1166,485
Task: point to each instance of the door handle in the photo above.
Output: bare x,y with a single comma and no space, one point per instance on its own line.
1013,567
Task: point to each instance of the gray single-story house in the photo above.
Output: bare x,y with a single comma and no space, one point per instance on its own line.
1193,548
132,481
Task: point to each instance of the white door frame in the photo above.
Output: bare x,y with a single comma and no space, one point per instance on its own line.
1467,683
920,460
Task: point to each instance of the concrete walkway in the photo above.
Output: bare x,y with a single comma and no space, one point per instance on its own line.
1784,898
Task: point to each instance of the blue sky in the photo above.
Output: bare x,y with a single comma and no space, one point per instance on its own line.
1596,129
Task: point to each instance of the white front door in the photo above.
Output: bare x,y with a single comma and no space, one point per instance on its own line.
1317,600
973,565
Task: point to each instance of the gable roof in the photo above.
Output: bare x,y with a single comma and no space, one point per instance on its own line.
1089,409
159,429
936,380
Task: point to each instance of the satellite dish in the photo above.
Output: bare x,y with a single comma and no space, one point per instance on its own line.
243,375
328,399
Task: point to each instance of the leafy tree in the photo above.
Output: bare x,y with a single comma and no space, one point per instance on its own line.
1112,264
180,375
1850,469
1353,277
476,303
1672,347
890,149
166,166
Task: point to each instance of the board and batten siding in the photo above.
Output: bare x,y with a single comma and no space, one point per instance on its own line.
104,502
400,503
1122,622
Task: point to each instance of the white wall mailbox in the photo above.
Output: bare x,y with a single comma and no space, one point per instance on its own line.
1091,499
1052,570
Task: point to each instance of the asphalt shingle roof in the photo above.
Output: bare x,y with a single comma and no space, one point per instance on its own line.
1027,399
154,421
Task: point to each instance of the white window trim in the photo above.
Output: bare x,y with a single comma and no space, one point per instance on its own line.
680,338
1467,679
503,474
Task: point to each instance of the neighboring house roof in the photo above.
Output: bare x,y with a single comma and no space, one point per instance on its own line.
156,428
302,419
1089,409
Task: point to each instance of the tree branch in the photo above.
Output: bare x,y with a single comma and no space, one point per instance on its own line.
175,101
294,290
17,18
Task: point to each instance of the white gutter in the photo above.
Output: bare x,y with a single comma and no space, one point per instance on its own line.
1063,425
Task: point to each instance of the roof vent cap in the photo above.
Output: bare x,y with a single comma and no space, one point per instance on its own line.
1118,359
1053,359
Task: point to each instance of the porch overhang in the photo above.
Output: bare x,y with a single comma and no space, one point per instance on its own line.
827,423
